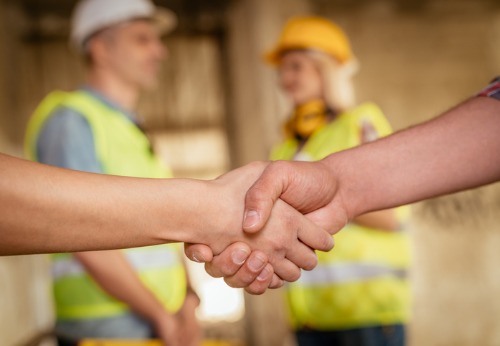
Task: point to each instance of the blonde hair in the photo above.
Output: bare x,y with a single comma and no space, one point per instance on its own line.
338,87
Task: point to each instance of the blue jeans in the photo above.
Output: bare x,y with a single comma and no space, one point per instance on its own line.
390,335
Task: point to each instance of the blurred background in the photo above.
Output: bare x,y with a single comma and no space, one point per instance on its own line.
218,107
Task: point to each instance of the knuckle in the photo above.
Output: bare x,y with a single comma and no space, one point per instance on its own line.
257,194
241,279
278,245
280,166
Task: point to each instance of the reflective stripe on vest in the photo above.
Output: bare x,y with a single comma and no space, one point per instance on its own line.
122,149
362,281
156,258
331,273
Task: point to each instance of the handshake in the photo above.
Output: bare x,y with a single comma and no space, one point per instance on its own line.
288,210
256,226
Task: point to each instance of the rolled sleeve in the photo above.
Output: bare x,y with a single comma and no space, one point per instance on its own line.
492,90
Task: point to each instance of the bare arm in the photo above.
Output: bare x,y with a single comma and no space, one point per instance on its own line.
455,151
384,220
48,209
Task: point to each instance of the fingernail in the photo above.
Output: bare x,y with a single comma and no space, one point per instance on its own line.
264,275
239,256
197,257
251,218
255,263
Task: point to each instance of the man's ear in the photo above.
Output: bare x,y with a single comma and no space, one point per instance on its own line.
97,50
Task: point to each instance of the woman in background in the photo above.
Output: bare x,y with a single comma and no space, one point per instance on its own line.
358,294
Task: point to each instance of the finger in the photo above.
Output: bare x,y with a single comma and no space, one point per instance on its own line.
314,236
303,256
328,220
263,281
250,271
198,252
260,198
286,270
229,261
276,282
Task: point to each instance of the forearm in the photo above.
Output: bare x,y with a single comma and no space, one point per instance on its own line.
384,220
47,209
455,151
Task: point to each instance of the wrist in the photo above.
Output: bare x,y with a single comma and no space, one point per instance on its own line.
160,316
186,209
339,178
192,297
223,214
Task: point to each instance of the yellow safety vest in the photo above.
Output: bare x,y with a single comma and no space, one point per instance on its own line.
362,281
122,149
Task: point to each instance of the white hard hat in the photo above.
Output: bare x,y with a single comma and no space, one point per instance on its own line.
90,16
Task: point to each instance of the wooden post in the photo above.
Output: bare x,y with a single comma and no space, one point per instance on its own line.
253,27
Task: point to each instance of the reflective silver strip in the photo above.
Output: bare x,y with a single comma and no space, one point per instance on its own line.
153,259
347,272
139,259
66,267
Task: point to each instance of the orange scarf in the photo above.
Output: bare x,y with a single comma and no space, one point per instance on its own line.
306,119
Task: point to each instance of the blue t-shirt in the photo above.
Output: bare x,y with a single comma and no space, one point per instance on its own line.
66,139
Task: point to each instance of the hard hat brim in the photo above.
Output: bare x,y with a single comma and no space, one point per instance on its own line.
273,56
162,18
165,20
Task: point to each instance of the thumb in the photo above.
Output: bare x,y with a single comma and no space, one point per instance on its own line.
260,199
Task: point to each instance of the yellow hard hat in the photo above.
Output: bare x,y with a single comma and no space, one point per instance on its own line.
312,32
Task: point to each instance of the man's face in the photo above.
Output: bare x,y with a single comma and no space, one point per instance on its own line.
133,51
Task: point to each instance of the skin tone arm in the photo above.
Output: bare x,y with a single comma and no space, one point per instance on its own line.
455,151
384,220
49,209
190,333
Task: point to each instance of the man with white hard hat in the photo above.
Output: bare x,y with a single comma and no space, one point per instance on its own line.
137,293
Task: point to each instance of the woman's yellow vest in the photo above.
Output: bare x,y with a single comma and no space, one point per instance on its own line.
122,149
362,281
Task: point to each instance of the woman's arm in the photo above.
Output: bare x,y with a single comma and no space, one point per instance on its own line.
48,209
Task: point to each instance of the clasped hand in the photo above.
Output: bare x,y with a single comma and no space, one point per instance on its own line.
278,240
